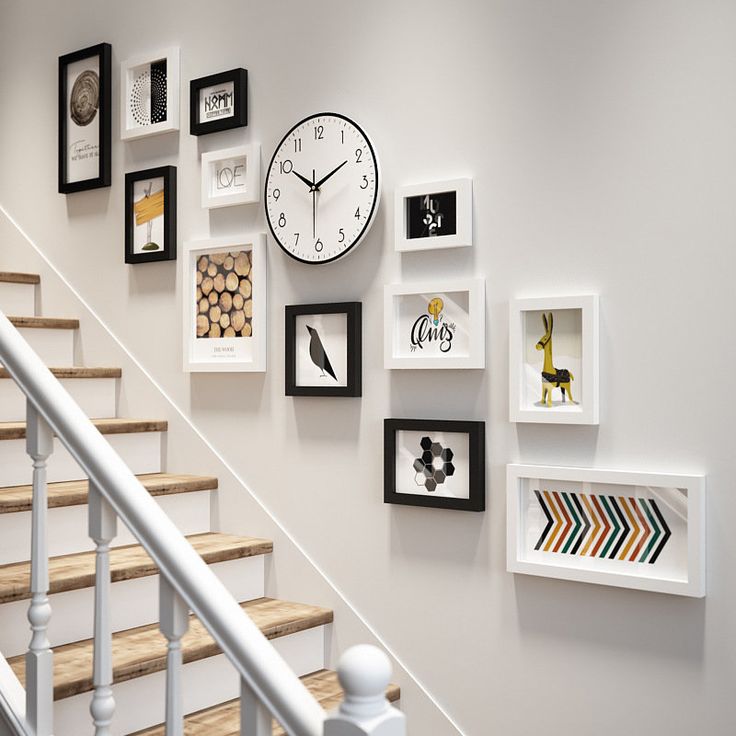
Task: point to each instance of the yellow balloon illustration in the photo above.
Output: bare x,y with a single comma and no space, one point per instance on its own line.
435,308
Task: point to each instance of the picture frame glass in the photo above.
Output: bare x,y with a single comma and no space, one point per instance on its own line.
432,464
321,350
146,100
83,119
621,529
217,102
148,215
227,177
431,215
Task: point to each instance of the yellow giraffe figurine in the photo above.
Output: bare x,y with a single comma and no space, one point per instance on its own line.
552,377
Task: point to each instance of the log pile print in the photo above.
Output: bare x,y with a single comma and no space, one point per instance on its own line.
225,295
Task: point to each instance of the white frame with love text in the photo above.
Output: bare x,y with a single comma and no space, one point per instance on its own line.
252,189
472,326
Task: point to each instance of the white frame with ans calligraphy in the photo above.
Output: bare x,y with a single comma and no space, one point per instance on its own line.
252,178
233,354
463,310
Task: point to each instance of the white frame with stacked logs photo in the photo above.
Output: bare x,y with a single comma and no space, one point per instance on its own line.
225,303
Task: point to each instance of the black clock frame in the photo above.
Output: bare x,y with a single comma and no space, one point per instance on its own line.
376,193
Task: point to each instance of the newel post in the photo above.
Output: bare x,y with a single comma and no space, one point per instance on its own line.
364,672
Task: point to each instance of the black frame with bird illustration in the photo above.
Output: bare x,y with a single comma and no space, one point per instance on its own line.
350,384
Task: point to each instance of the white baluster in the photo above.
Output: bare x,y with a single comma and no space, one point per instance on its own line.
102,529
255,720
173,622
364,672
39,658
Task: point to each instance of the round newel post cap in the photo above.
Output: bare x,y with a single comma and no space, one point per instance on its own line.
364,672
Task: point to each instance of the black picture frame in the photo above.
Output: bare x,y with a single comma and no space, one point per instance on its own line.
353,310
104,115
239,119
476,432
168,252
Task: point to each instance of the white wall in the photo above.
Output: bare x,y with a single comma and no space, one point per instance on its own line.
600,136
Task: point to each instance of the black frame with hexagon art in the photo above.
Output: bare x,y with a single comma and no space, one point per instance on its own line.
436,463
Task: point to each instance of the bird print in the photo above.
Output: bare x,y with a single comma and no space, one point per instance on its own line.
317,353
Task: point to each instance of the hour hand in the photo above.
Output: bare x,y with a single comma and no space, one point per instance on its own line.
310,184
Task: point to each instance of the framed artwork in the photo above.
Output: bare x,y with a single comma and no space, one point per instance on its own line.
436,463
231,176
435,325
225,304
149,94
150,215
323,349
626,529
435,215
218,102
554,360
85,84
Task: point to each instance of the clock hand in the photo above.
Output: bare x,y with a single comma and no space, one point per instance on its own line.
314,208
325,178
310,184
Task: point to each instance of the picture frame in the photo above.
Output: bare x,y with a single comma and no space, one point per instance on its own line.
573,359
85,119
435,463
434,215
231,176
637,530
150,215
435,324
323,349
218,102
149,94
239,342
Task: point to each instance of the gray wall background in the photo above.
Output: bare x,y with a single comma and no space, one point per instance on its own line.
600,137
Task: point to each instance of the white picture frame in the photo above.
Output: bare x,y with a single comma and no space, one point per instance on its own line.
577,332
222,352
138,115
242,176
463,216
664,554
417,337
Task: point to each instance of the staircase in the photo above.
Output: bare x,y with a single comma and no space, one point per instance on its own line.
109,625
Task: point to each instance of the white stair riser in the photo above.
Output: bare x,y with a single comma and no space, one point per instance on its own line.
97,398
139,703
132,603
67,526
54,347
140,451
18,300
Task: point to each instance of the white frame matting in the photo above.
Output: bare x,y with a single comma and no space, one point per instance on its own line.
252,187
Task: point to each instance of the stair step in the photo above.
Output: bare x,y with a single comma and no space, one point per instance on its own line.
17,430
77,372
142,651
44,323
73,572
10,277
224,719
74,493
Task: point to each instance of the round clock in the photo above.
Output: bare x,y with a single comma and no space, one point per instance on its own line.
322,188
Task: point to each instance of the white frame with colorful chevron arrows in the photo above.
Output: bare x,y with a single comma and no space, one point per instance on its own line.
626,529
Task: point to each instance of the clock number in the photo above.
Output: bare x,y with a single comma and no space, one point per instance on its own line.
341,239
318,246
358,155
296,239
357,214
364,185
286,167
282,220
297,145
318,131
276,194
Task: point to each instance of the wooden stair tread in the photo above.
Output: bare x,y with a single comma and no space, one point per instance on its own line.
45,323
76,571
142,651
78,372
224,719
74,493
17,430
11,277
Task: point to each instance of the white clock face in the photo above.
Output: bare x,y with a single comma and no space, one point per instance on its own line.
322,188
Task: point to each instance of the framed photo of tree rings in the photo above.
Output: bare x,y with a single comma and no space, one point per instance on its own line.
85,119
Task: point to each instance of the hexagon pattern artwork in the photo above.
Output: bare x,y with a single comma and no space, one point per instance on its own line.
434,466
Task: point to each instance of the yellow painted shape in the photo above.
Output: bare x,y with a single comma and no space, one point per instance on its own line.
634,524
149,208
557,519
596,524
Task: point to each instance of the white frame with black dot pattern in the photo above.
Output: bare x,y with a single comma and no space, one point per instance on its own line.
130,127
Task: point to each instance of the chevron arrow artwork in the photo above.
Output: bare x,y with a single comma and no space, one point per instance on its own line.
613,527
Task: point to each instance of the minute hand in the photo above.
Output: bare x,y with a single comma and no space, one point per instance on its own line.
325,178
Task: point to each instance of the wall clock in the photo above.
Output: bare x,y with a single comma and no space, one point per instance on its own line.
322,188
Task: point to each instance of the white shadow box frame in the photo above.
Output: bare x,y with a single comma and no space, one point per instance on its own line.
437,324
242,178
637,530
221,352
463,235
136,94
575,347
